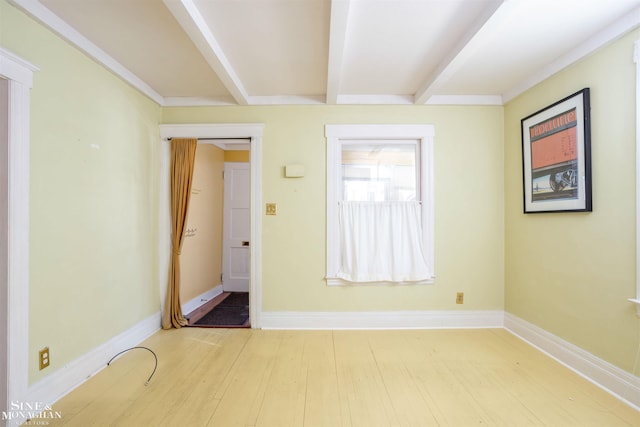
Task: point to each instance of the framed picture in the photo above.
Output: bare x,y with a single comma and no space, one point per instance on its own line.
556,156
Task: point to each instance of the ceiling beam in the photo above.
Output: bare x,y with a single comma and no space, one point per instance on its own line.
460,52
194,24
337,40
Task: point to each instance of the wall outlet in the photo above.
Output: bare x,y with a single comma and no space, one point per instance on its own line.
272,209
43,358
460,298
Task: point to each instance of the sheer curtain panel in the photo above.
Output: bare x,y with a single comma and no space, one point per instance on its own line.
382,242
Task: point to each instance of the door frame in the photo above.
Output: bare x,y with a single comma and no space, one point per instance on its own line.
14,287
250,131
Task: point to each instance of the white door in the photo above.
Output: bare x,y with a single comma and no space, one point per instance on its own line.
236,228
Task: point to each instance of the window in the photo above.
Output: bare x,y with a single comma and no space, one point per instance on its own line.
374,171
379,204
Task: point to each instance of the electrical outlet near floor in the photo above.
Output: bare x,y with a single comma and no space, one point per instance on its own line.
460,298
43,358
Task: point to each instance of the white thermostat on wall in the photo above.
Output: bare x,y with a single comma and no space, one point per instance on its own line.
294,171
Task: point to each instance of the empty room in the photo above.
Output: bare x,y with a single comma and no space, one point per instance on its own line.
428,210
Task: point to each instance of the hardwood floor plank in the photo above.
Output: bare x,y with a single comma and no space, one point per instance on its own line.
216,352
284,399
448,401
558,394
213,370
244,377
481,378
116,397
164,394
244,388
110,378
362,388
322,404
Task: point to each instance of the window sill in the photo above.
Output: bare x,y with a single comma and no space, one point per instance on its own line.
336,281
637,303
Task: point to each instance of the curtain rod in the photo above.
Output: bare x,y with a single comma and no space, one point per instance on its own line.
217,139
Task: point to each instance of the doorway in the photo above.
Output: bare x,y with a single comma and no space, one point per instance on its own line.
215,256
234,134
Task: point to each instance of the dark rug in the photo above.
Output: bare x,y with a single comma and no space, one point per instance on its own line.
236,299
232,311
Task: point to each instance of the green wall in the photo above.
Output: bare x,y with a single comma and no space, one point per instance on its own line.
572,273
469,232
93,201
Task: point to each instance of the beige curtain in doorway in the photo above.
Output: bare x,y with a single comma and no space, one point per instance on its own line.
183,153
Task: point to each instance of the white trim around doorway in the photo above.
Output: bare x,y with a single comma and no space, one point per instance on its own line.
15,225
251,131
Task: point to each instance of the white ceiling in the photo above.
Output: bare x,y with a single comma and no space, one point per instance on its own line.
254,52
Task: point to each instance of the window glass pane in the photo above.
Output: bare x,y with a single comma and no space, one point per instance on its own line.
379,172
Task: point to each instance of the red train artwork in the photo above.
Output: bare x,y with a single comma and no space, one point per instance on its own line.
554,155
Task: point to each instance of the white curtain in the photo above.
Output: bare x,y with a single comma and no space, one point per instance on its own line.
382,242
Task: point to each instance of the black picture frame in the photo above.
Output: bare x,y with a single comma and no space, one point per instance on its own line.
556,156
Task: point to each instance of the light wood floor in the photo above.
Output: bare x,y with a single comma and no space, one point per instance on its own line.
244,377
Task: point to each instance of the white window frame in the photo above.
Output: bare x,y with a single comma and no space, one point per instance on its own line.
336,135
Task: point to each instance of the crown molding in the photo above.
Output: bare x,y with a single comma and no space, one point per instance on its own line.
39,12
465,100
287,100
375,99
198,101
619,28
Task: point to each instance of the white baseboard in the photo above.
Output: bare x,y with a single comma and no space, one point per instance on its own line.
201,299
382,319
620,383
53,387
